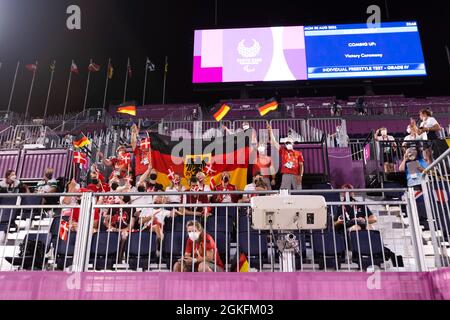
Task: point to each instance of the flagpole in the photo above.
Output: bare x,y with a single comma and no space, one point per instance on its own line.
165,80
145,82
49,89
126,81
107,81
67,97
13,87
87,87
31,92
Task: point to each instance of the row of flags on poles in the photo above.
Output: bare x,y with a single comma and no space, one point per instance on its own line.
94,67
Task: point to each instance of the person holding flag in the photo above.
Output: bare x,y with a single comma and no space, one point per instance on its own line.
97,181
225,186
142,152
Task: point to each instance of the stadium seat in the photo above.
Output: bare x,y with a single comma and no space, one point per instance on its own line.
32,252
31,213
367,248
179,223
173,246
329,249
255,246
105,250
222,240
219,223
65,250
141,250
392,195
8,216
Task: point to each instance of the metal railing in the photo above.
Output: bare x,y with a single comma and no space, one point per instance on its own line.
434,207
141,235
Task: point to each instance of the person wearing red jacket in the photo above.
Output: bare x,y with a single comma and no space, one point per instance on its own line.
98,183
225,186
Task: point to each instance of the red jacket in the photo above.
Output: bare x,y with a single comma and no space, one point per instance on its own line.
230,187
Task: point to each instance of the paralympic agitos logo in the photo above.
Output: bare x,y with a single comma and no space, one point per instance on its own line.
249,55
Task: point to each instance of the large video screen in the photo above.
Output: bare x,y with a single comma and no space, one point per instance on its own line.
306,53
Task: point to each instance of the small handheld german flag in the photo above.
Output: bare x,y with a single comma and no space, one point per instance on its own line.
81,141
267,106
127,108
222,112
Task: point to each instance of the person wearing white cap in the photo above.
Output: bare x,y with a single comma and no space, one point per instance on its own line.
291,163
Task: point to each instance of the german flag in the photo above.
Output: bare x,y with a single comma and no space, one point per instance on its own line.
268,106
187,157
222,112
127,108
244,266
81,141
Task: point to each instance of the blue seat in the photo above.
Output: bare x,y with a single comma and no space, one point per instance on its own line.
219,223
104,250
65,250
254,245
178,223
329,249
367,248
392,195
223,241
31,213
173,245
34,248
8,216
141,249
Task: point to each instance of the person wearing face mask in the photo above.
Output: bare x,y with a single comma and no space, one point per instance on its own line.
142,152
264,166
413,135
201,253
353,217
292,161
150,178
388,149
258,184
97,184
413,166
195,199
120,168
225,186
247,129
10,184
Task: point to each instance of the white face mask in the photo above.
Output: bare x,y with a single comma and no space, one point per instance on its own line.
245,128
13,178
194,236
408,130
384,133
289,147
261,150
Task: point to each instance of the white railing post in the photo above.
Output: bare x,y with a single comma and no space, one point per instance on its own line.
82,243
416,231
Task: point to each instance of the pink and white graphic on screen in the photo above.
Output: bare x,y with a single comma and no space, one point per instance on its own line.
247,55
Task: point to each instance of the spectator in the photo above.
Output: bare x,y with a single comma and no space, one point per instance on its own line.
150,178
353,217
291,163
360,106
264,166
120,167
432,129
225,186
74,213
246,129
387,147
175,186
97,182
47,184
258,184
195,199
201,178
10,184
336,109
201,254
142,153
413,166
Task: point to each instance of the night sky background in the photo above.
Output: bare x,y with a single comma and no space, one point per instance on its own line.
33,30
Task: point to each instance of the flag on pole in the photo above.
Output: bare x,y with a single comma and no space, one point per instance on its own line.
110,71
268,106
129,69
126,158
222,112
145,144
150,65
74,68
127,108
166,67
93,67
53,66
79,158
63,230
81,141
31,67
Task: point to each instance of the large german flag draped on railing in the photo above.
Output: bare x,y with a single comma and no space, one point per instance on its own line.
187,157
